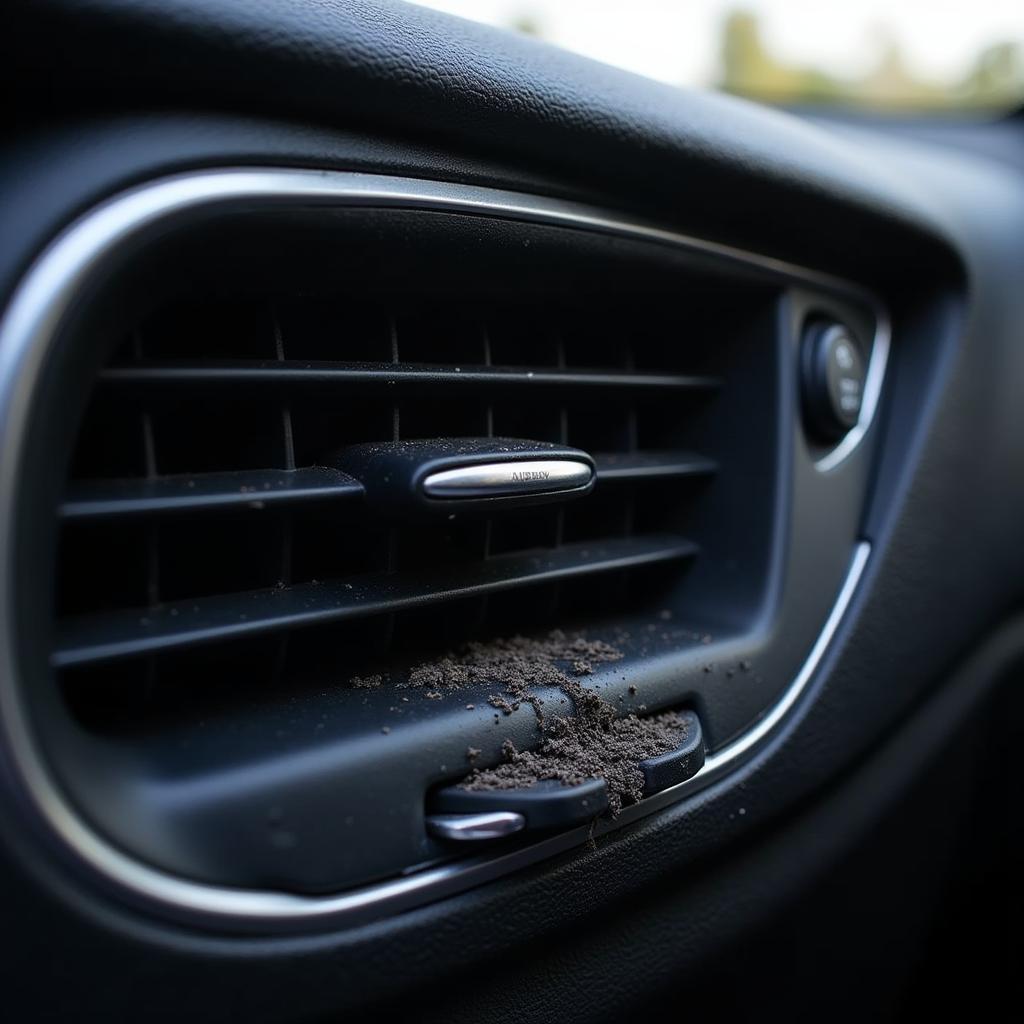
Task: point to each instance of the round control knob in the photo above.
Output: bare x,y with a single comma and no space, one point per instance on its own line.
833,380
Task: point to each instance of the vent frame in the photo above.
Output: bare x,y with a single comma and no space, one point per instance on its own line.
34,315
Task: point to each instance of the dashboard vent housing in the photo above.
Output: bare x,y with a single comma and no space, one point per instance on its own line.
214,626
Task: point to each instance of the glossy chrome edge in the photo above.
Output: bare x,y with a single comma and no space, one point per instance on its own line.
499,478
28,330
474,827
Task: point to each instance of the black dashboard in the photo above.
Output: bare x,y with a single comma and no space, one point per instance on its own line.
257,258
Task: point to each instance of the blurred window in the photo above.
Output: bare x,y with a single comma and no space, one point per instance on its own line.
896,55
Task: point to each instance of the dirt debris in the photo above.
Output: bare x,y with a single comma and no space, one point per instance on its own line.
588,746
503,704
594,742
515,662
368,682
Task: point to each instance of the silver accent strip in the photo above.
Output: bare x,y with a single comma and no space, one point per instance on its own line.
715,763
27,332
496,479
462,827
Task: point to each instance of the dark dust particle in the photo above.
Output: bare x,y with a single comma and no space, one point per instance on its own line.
502,704
745,666
366,682
591,745
632,691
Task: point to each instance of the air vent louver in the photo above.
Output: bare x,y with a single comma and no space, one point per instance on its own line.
200,477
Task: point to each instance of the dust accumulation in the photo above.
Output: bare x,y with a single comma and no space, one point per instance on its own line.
594,742
576,749
517,663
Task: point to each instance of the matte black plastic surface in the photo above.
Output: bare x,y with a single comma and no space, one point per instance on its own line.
652,466
432,379
675,766
206,620
202,492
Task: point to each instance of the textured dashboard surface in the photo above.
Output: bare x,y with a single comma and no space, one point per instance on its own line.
393,67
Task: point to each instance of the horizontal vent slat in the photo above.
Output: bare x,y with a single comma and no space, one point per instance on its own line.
196,493
639,466
224,617
286,374
207,491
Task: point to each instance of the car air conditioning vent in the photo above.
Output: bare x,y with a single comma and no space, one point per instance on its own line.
204,505
290,447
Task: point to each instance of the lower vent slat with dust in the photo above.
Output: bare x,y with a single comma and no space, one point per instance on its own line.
212,619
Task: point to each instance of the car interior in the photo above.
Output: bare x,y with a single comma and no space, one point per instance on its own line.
494,529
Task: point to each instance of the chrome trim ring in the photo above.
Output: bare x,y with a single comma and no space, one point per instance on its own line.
27,333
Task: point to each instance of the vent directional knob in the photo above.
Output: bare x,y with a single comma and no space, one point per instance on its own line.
834,372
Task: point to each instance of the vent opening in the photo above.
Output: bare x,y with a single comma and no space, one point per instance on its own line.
203,460
195,414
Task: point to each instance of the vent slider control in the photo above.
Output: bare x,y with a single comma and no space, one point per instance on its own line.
501,479
445,476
